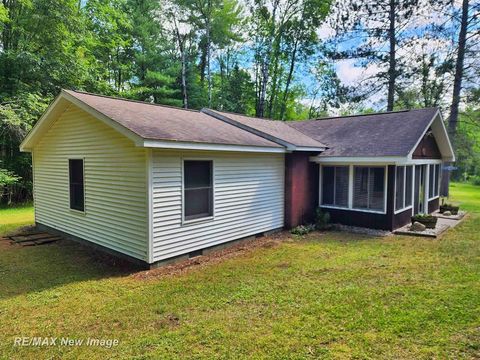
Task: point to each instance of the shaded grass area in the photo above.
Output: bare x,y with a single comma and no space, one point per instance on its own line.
14,217
328,295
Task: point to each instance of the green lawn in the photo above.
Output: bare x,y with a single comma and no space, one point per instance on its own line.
12,218
331,295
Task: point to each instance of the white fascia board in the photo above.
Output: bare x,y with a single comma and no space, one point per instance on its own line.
358,160
163,144
310,149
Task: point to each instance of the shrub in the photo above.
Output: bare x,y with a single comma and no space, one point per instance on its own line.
475,180
303,229
322,219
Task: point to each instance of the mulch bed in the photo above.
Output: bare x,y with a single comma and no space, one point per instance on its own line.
214,257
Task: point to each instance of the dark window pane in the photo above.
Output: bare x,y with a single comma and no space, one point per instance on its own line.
341,186
360,187
198,189
76,183
377,186
431,182
197,174
328,177
437,179
197,203
408,186
399,190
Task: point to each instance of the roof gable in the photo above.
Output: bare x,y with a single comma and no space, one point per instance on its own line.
146,123
391,134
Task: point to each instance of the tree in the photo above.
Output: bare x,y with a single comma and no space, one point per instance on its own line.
217,22
381,29
284,33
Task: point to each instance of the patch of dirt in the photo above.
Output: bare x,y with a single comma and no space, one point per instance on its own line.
168,321
214,257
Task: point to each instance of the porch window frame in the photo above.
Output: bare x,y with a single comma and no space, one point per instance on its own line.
436,191
404,208
350,188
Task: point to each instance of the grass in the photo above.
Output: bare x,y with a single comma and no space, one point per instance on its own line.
14,217
332,295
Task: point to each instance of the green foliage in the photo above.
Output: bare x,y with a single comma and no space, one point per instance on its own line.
7,178
322,219
303,229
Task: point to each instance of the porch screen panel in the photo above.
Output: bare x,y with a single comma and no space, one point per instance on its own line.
400,187
341,186
437,179
335,186
360,188
431,181
369,188
377,189
408,185
328,185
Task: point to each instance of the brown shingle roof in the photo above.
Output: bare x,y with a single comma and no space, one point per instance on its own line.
379,134
274,128
158,122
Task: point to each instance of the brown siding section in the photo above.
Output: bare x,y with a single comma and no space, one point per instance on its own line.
433,205
427,148
402,218
359,218
301,189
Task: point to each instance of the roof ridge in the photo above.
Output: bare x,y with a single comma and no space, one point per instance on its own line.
370,114
249,116
131,100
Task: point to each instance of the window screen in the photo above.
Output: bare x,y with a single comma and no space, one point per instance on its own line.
77,186
403,187
431,181
369,188
198,189
437,180
335,186
400,188
408,185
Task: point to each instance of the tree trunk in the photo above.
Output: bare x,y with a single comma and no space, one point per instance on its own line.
181,45
457,88
209,74
392,61
289,79
184,78
457,82
266,64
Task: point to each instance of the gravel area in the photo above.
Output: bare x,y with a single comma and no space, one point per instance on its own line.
361,230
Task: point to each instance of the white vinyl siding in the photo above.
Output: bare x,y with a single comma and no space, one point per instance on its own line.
116,207
248,199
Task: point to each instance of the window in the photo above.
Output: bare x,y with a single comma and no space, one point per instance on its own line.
434,180
335,186
198,189
369,188
403,187
77,187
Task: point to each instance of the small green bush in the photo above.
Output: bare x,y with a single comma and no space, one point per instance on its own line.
322,219
303,229
475,180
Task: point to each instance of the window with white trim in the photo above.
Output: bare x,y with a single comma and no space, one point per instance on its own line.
434,180
369,188
403,187
76,179
198,189
335,185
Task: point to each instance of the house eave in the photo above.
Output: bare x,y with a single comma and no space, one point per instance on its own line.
181,145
